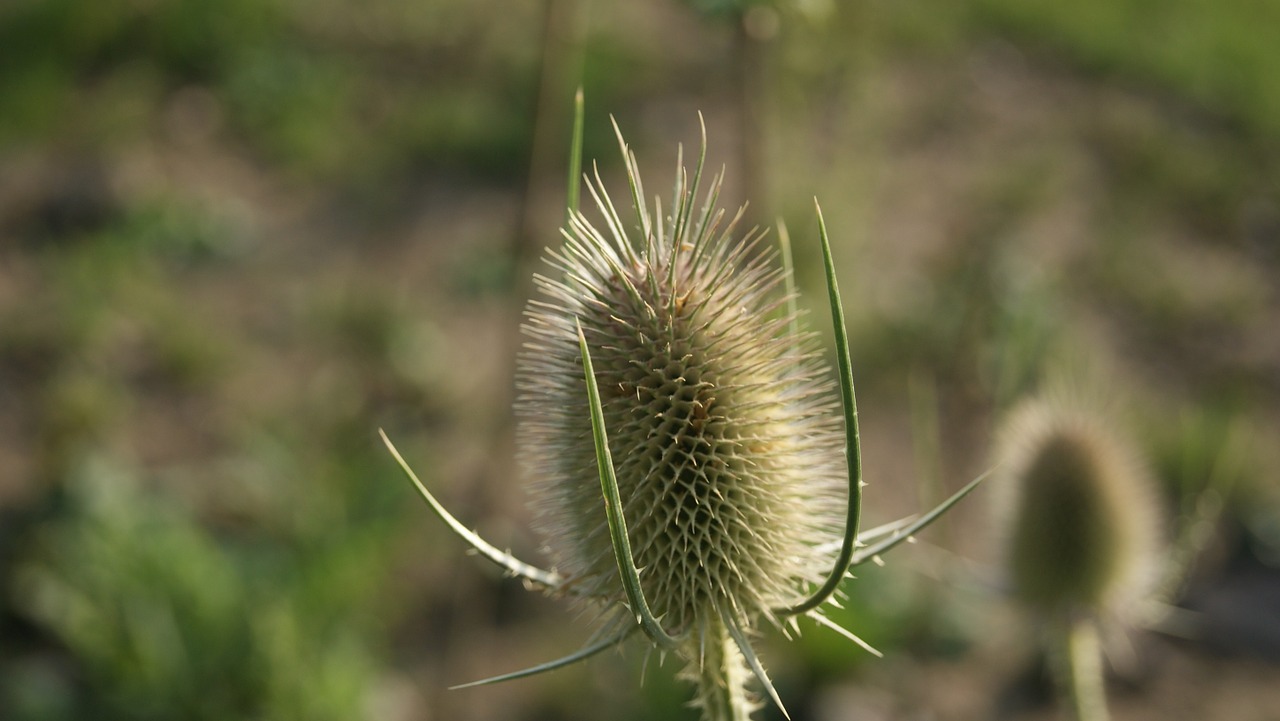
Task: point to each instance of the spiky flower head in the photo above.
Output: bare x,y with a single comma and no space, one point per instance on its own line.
723,508
722,421
1078,510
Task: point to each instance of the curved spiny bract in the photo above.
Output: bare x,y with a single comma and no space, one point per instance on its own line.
723,424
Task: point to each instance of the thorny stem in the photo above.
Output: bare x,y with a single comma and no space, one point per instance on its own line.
722,678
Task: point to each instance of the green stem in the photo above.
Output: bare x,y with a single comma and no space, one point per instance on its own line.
1081,672
575,154
722,677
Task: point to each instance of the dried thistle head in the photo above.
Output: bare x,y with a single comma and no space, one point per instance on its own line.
1077,509
664,373
721,421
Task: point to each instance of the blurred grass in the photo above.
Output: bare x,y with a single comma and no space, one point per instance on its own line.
1214,55
165,620
306,88
237,236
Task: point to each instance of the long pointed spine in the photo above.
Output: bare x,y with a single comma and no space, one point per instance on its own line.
583,654
753,662
513,565
904,534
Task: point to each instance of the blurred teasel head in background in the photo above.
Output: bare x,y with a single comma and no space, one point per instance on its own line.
1077,508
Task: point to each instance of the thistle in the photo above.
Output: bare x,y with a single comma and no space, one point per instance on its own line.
1079,516
666,374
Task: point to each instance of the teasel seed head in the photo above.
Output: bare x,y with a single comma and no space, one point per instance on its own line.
723,424
1078,510
685,440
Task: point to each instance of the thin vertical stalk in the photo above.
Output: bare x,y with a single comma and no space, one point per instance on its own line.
1081,675
575,156
560,71
749,57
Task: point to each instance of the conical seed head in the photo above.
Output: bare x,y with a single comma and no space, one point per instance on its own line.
1081,521
721,422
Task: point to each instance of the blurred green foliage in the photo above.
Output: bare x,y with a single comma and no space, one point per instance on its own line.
305,96
165,620
1212,54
